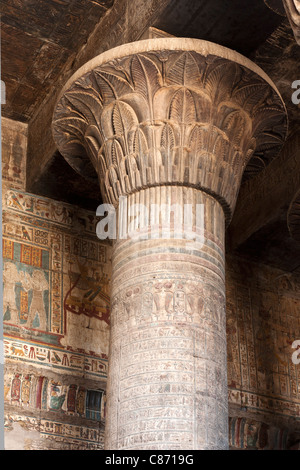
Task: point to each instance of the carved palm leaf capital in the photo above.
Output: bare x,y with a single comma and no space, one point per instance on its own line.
170,111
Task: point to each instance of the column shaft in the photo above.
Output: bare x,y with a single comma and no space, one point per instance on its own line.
167,384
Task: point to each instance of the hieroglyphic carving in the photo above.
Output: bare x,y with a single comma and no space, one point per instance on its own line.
67,361
44,241
262,324
168,327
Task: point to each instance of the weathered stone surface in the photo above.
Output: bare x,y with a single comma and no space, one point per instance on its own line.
167,382
233,24
262,311
262,302
38,39
13,153
117,26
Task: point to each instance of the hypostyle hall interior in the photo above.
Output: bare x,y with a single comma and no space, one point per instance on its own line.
151,224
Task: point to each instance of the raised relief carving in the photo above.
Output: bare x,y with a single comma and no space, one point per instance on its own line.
292,8
170,300
18,284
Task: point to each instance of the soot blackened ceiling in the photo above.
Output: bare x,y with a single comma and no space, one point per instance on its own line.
38,38
238,24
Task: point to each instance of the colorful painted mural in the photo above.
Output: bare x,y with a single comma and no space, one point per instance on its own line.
55,283
250,434
31,391
56,304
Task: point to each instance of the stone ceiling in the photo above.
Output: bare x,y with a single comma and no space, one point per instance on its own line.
38,38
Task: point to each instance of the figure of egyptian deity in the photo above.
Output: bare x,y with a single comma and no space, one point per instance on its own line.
171,126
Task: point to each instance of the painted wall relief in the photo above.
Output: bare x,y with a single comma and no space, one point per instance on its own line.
250,434
42,392
86,304
56,285
26,286
55,314
13,152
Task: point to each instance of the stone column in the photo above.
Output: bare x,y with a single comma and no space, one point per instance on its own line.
169,122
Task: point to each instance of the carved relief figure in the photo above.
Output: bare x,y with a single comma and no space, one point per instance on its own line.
14,158
11,276
215,307
38,283
56,397
88,293
179,302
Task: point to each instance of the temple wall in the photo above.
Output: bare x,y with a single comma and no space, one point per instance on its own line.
263,306
56,277
55,314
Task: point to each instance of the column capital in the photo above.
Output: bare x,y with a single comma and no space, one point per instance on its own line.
170,111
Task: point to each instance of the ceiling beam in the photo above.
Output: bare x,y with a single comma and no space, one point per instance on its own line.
125,22
262,198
